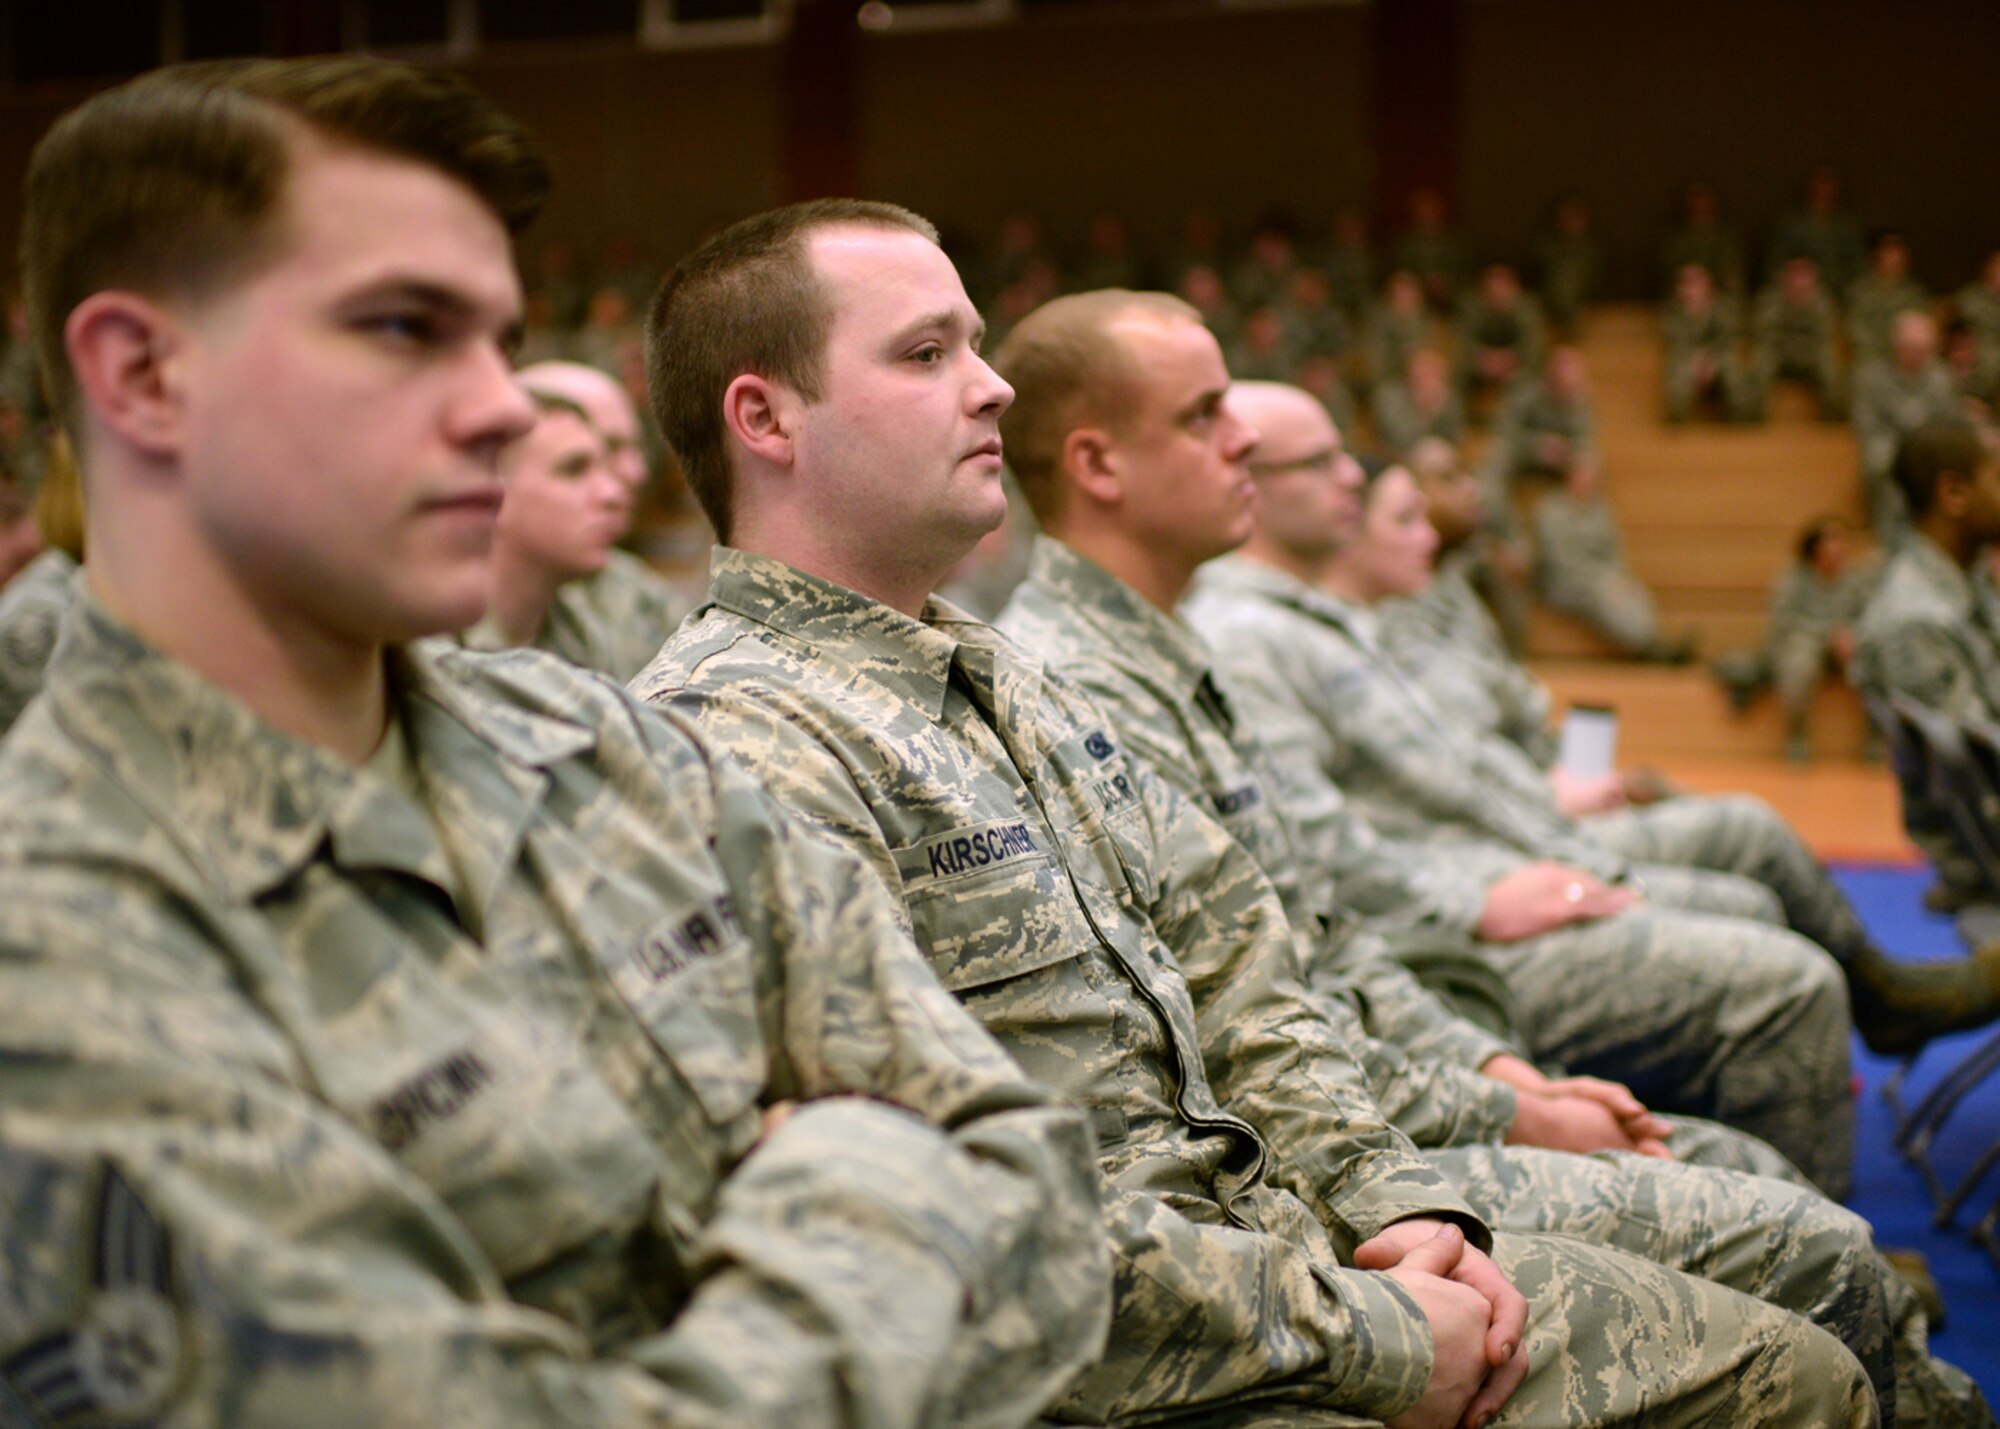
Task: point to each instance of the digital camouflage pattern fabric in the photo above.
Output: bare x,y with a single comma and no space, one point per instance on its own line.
1448,643
1151,674
31,614
433,1091
612,622
1929,635
1051,884
1718,1016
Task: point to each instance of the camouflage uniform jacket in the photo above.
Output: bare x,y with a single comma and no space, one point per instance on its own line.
1579,537
1890,404
1447,642
1927,636
1804,602
1873,306
636,607
612,622
1533,413
1331,705
31,613
1041,874
321,1106
1795,334
1520,329
1400,424
1173,715
1687,332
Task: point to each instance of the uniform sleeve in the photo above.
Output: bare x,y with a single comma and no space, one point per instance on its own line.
1925,662
1331,835
1202,1311
1398,1008
1791,604
28,627
861,1010
194,1234
1432,1104
1273,1055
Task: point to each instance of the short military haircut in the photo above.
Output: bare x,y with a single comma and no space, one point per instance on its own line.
1933,452
1069,369
746,301
169,185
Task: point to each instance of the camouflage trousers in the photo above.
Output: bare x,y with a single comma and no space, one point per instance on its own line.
1721,1017
1617,1341
1742,835
1702,890
1771,1238
1609,600
1729,383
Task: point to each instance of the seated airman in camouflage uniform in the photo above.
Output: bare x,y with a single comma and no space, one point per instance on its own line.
1434,250
563,508
1978,305
628,601
1279,1244
1399,326
1569,263
1810,633
1702,238
1701,327
1794,329
1894,398
1421,403
1501,333
1547,425
1446,638
1821,229
1098,606
1581,570
1931,632
558,583
1878,296
401,1036
1312,663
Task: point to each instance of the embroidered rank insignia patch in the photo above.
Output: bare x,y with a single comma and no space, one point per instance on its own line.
123,1361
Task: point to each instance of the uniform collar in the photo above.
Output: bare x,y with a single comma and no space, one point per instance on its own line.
251,806
862,637
1126,619
1938,569
1242,576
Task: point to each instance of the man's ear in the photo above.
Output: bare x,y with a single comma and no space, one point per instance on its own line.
1091,462
125,351
759,414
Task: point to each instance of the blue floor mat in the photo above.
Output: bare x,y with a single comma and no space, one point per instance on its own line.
1887,1189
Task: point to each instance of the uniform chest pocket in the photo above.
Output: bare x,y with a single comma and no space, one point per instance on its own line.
1101,792
1011,944
987,901
687,978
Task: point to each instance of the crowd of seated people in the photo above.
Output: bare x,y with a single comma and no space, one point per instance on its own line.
1195,1000
1406,335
